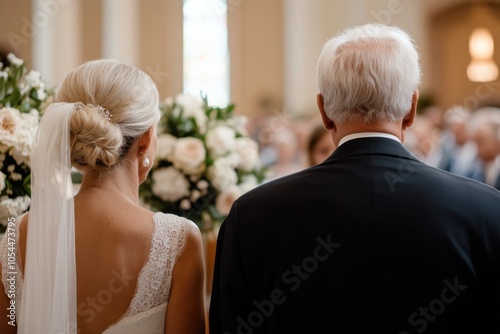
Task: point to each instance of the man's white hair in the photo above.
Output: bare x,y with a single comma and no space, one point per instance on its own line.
368,73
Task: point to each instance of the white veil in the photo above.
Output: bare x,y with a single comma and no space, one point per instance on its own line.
48,302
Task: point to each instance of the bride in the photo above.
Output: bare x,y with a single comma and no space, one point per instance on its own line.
98,262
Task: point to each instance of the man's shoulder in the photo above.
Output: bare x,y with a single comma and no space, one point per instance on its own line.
270,187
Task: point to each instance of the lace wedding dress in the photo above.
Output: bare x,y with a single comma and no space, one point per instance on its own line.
146,312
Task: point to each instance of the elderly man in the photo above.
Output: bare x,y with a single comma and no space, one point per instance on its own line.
371,240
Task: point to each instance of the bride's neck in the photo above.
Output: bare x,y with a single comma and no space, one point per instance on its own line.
120,181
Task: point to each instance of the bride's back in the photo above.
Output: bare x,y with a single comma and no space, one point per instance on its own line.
112,245
113,241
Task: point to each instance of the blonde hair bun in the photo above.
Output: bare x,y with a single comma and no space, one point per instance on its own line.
95,141
100,140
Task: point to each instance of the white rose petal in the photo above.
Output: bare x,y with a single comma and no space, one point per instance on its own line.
222,176
221,140
169,184
14,60
16,176
225,200
13,207
202,185
2,181
165,147
239,123
41,94
21,150
248,183
248,152
185,204
33,78
9,124
189,155
195,195
192,107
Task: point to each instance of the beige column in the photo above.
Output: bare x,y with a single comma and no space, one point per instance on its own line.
255,34
56,38
120,30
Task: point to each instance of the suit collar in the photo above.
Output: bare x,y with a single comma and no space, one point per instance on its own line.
371,146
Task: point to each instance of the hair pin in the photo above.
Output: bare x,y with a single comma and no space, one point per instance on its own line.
102,111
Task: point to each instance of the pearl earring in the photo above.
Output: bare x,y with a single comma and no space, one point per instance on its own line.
145,162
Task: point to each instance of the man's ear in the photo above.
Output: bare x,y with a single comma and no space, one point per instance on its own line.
145,140
327,122
410,116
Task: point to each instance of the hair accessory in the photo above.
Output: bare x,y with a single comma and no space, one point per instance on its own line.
102,111
145,162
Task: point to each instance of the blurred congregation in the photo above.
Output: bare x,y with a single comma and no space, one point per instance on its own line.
458,140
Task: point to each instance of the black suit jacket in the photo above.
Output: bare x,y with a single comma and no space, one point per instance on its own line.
371,240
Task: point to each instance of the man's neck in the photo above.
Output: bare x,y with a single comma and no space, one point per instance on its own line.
393,128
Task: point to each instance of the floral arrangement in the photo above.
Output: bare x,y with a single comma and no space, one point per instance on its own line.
204,161
22,97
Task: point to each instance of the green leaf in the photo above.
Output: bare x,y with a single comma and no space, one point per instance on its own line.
14,98
19,73
2,89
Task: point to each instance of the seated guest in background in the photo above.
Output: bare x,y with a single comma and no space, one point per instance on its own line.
457,141
425,142
319,146
285,145
486,132
371,240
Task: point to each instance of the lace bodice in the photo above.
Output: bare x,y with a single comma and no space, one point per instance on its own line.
146,312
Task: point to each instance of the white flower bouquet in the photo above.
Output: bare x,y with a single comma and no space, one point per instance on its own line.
22,97
204,161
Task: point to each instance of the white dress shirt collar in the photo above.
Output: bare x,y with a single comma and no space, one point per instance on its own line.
368,134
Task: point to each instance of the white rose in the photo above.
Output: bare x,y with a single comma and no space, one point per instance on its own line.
225,200
231,160
9,124
189,155
165,147
222,176
239,123
221,140
248,183
202,185
13,207
2,181
33,78
195,195
41,94
248,152
169,184
16,177
21,150
192,107
185,204
168,101
14,60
